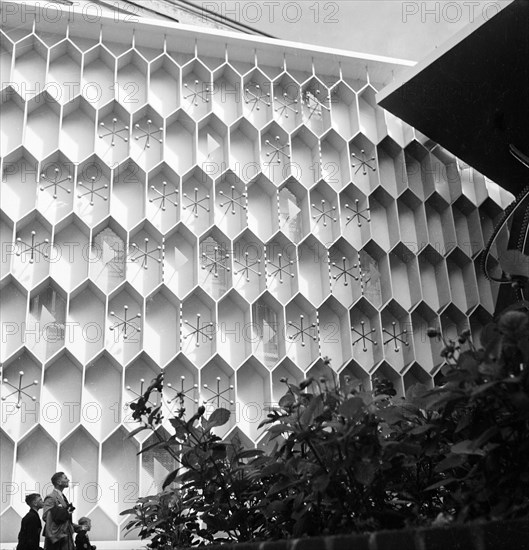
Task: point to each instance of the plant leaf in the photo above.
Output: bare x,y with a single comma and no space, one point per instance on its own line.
218,417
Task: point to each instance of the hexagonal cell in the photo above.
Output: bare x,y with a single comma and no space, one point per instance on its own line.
92,190
316,106
181,387
131,81
11,120
196,89
344,112
144,261
234,330
383,214
79,456
146,146
473,183
244,150
371,117
434,278
7,452
416,375
478,320
314,280
231,204
334,164
162,325
212,151
427,350
14,308
453,322
294,216
61,395
102,400
324,213
215,273
398,130
324,376
462,281
56,189
365,334
392,165
287,371
257,98
46,324
198,327
41,136
287,102
77,129
447,181
364,165
119,473
487,293
412,221
405,280
98,76
113,133
343,266
124,333
164,85
354,377
21,387
262,207
305,158
29,71
355,216
156,464
253,396
276,156
69,255
34,468
467,226
441,232
385,376
108,255
417,169
180,261
335,333
163,193
64,72
10,524
280,261
226,94
373,264
197,211
19,183
127,204
217,390
103,527
86,317
396,335
302,332
249,265
268,330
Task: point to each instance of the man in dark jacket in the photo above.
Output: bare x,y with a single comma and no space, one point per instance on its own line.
31,526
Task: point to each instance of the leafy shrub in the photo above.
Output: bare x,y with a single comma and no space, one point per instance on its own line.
347,460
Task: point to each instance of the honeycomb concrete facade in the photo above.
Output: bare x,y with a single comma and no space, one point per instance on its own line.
227,210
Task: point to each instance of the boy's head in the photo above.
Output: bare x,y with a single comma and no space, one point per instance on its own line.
34,500
86,523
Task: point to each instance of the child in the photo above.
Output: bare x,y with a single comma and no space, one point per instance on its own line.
31,526
82,542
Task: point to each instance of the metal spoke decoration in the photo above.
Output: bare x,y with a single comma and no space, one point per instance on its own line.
199,330
164,195
302,330
363,163
92,190
201,91
344,271
401,337
281,268
277,149
196,203
233,201
254,95
148,134
183,393
314,104
115,131
56,183
19,390
357,213
33,249
364,336
145,254
125,323
324,213
215,262
286,104
218,394
140,393
247,267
